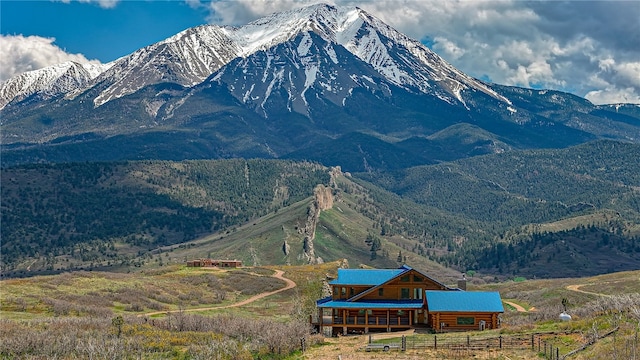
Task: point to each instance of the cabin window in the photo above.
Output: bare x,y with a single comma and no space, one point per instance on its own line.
404,293
405,278
400,312
361,312
344,292
417,278
417,293
381,292
351,291
465,320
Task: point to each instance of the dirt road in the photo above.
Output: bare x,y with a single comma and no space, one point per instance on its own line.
518,307
577,288
278,275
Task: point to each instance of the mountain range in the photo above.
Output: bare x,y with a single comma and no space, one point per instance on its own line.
406,158
330,84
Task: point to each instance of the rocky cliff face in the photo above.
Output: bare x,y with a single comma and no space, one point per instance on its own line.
323,200
323,197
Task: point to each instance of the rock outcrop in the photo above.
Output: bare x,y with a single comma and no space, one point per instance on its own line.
322,200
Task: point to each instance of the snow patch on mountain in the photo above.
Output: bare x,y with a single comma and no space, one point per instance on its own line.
304,45
277,78
332,53
247,95
310,72
267,67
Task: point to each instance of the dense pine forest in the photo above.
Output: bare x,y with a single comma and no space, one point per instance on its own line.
86,209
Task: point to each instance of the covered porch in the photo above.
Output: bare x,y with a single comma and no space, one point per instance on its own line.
345,317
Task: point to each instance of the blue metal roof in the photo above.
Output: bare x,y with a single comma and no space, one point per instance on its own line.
342,304
368,277
323,300
462,301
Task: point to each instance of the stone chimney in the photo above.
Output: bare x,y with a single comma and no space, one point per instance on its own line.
462,283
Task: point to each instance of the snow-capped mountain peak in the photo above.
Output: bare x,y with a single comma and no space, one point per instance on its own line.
194,54
327,21
49,81
332,84
186,58
402,60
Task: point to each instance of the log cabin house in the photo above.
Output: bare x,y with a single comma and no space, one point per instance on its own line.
214,263
367,300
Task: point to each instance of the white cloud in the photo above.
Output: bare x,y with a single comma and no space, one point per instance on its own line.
629,73
613,95
546,44
526,64
21,54
448,48
615,83
106,4
193,3
606,64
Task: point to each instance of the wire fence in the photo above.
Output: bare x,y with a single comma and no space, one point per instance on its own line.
535,342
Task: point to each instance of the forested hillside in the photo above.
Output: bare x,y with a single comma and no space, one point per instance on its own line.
94,211
542,213
510,196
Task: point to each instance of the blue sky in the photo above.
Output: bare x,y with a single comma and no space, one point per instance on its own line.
100,33
589,48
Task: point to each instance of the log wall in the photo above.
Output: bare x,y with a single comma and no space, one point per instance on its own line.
450,321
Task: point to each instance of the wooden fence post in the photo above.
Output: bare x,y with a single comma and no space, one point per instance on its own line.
468,341
435,342
500,341
539,339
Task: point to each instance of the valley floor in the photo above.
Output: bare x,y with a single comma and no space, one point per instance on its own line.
176,310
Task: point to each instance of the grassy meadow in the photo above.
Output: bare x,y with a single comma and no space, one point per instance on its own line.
170,312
